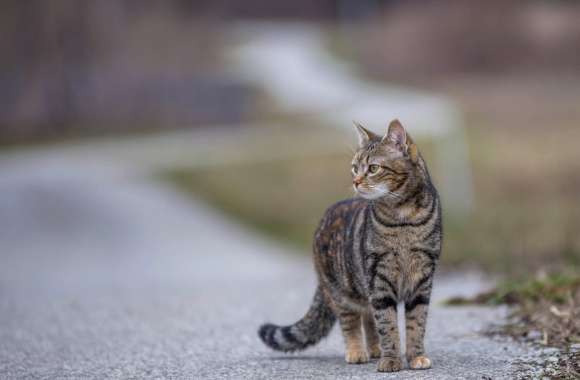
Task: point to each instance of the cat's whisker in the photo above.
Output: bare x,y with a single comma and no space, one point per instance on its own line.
394,194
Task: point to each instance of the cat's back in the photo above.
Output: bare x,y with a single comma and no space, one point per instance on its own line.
335,224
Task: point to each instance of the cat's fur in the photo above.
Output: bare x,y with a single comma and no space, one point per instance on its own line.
372,252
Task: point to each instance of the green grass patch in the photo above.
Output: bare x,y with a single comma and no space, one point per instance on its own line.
554,288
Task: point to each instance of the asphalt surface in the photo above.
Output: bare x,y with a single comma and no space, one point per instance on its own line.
105,274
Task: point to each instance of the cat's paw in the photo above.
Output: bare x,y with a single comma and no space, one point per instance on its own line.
375,352
389,364
356,357
420,362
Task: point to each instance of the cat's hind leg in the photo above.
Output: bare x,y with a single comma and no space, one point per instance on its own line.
371,336
351,326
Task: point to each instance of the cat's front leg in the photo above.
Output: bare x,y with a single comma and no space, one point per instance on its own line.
384,310
416,319
385,315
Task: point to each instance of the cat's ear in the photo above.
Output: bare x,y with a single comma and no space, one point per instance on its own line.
396,135
364,135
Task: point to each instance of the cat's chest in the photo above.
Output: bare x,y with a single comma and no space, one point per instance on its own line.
399,240
405,268
402,263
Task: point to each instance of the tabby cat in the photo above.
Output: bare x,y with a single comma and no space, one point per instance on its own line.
371,253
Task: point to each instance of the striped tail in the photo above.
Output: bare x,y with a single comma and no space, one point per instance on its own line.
314,326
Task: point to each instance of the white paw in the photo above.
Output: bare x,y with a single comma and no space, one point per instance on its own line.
420,362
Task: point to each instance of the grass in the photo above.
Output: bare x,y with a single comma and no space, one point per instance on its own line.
555,288
545,311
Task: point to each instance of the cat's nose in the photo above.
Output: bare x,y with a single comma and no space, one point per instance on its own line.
357,180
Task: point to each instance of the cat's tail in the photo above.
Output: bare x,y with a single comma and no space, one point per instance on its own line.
314,326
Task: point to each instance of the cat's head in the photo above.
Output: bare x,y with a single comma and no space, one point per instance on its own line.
384,166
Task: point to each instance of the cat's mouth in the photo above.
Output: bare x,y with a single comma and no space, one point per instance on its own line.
369,193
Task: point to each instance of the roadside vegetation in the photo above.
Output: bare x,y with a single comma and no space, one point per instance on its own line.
545,310
548,308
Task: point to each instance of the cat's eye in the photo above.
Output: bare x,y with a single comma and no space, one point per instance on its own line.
374,168
354,169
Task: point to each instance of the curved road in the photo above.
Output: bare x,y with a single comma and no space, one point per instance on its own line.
105,274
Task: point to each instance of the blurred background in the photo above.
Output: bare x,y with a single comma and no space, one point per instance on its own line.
248,105
160,161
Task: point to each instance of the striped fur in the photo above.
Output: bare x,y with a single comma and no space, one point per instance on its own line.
314,326
373,252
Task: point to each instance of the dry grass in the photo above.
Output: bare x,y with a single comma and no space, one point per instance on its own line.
545,311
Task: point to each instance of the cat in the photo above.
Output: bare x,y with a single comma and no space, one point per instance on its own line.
372,252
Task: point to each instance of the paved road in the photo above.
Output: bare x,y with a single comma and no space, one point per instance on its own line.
105,274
